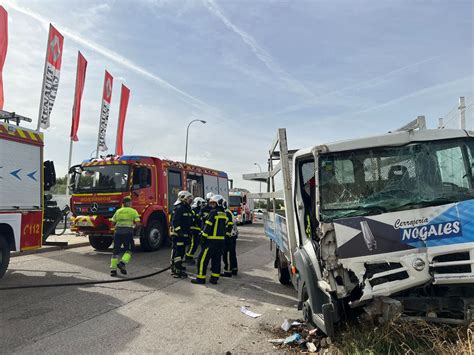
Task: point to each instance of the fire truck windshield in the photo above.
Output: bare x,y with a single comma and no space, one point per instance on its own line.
235,201
107,178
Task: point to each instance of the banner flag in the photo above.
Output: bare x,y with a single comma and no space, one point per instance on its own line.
104,112
124,96
52,69
76,109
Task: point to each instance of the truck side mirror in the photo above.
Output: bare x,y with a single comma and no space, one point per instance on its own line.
49,175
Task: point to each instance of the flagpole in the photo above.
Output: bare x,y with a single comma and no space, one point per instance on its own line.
68,179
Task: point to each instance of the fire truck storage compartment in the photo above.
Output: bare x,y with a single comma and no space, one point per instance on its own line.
20,172
223,187
195,185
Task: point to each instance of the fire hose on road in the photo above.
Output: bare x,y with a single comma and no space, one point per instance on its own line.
86,283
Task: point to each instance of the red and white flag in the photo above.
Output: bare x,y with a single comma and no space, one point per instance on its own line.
3,48
124,96
52,69
76,109
104,111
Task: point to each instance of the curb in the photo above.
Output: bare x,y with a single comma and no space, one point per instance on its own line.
47,249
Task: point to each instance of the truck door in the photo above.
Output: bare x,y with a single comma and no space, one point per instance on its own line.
143,188
305,199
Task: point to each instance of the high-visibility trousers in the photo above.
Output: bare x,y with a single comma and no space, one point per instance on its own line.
195,241
123,246
177,251
212,250
230,255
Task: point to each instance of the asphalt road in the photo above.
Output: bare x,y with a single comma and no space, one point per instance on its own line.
155,315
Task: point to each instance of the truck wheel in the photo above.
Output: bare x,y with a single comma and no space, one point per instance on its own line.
4,255
100,242
307,311
283,273
154,236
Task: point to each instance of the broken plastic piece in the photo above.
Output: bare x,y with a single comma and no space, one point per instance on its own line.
286,325
311,347
292,338
276,341
313,331
295,323
249,312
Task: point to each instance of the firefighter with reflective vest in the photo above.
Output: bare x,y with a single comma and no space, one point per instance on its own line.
206,208
213,234
181,223
196,229
124,219
230,253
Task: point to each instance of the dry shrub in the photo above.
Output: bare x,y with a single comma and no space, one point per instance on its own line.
406,338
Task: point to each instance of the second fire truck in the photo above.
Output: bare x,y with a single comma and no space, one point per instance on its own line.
99,186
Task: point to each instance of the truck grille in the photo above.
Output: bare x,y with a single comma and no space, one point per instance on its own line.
454,263
381,273
104,209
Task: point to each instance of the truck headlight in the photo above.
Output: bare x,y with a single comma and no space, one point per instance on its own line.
418,264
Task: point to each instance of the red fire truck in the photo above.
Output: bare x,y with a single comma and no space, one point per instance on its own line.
240,206
27,217
99,185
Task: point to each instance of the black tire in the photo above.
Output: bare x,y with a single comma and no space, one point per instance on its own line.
283,273
307,311
100,242
4,255
154,236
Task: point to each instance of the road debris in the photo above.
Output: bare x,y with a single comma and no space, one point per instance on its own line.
286,325
248,312
311,347
292,338
304,338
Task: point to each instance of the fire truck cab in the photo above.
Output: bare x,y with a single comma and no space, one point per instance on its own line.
240,206
27,216
99,186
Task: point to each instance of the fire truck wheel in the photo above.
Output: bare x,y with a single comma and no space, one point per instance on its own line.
154,236
100,242
4,255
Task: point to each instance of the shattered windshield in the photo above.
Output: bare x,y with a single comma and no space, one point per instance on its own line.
379,180
107,178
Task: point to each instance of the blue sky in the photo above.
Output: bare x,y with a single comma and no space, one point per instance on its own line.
325,70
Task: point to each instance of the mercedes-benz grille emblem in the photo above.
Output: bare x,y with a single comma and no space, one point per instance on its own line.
94,207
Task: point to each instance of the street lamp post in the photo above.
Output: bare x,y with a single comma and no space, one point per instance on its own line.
257,164
187,136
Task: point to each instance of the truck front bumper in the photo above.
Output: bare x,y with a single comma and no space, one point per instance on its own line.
92,224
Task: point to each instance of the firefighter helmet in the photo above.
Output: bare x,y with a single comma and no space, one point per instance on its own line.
209,195
217,199
198,202
224,204
183,196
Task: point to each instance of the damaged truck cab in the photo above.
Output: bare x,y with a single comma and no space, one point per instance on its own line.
379,226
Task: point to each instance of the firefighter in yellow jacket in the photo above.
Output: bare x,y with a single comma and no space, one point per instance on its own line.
124,219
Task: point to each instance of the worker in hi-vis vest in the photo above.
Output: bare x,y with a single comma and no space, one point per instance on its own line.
125,219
